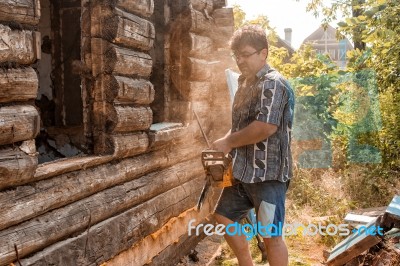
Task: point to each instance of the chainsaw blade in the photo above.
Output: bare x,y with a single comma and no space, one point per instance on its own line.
203,194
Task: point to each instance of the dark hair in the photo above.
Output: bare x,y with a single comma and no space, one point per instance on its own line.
251,35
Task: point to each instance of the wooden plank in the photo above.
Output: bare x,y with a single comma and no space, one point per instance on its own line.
128,145
20,11
25,202
40,232
123,90
353,246
391,218
17,123
200,46
119,232
122,28
140,7
19,84
16,46
17,164
110,59
122,118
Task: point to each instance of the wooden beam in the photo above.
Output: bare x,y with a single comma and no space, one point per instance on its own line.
127,145
123,90
25,202
40,232
122,28
17,123
110,59
223,17
20,11
140,7
202,5
16,46
200,91
118,119
116,234
221,36
17,164
163,134
19,84
220,3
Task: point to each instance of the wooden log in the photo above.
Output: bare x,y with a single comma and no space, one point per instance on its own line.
18,164
194,21
110,59
120,232
16,46
18,84
122,118
221,36
122,28
128,145
20,11
123,90
200,46
38,233
139,7
163,134
223,17
199,90
197,69
202,5
220,3
25,202
17,123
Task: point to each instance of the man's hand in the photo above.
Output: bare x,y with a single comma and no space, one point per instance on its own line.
221,144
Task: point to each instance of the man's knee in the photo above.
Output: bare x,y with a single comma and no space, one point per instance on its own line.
274,241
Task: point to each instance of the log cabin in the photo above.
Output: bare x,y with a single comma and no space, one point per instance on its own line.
99,148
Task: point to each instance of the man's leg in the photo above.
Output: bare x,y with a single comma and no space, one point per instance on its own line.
277,252
238,244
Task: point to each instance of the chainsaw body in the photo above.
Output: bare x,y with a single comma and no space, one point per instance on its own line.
218,168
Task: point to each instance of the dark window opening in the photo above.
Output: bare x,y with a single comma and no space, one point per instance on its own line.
60,95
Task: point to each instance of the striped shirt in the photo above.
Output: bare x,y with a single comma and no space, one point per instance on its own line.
269,99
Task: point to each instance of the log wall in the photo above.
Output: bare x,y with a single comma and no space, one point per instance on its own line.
130,202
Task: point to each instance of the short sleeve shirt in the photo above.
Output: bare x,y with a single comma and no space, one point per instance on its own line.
271,100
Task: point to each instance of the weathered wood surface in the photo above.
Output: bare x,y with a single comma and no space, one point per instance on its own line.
123,118
16,46
40,232
200,46
25,202
61,166
160,247
195,21
197,69
123,90
21,11
199,90
122,28
202,5
110,59
220,3
223,17
17,123
122,146
139,7
18,84
221,36
165,134
17,164
120,232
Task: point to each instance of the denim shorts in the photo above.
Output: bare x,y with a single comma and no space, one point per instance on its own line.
268,199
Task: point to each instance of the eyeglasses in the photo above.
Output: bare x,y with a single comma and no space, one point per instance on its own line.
236,57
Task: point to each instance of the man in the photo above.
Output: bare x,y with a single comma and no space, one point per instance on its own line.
259,142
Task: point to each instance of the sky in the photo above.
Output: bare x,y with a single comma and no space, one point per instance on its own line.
283,14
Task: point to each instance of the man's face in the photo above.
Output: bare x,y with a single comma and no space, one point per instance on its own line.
250,60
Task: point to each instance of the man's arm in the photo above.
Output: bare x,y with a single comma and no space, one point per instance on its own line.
253,133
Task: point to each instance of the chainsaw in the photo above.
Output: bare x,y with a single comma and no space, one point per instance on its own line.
217,167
